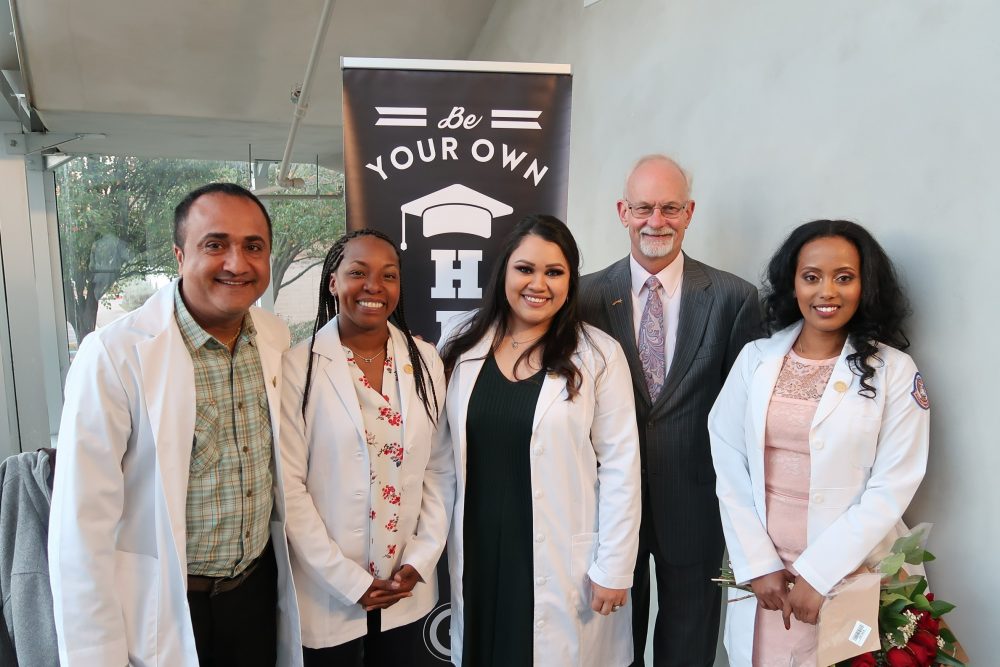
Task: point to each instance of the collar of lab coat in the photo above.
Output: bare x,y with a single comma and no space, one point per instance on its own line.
772,354
470,364
329,345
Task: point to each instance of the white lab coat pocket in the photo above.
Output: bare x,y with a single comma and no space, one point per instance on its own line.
865,436
138,592
583,545
581,558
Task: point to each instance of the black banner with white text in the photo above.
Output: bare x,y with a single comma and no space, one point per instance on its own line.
446,163
445,158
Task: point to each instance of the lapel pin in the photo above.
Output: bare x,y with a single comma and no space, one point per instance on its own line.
840,386
616,302
408,369
553,375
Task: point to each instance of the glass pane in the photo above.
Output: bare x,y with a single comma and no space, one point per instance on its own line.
116,233
305,226
116,230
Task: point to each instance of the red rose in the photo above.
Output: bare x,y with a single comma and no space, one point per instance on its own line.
930,597
931,625
899,657
864,660
923,655
924,646
924,639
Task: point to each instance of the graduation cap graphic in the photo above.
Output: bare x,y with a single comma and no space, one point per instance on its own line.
455,209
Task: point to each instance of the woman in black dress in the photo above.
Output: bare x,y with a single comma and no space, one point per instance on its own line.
542,423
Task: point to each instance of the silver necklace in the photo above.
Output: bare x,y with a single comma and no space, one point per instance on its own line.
365,359
515,343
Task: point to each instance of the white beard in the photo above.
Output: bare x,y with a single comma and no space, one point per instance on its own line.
655,247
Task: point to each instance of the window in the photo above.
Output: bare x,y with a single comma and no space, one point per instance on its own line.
115,219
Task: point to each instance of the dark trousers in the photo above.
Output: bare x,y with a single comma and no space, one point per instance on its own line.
392,648
686,629
239,627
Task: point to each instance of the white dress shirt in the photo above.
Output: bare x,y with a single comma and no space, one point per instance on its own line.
670,294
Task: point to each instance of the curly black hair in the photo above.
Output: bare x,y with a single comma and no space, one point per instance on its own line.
328,307
883,306
559,342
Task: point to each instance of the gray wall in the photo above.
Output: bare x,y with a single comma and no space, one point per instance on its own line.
784,111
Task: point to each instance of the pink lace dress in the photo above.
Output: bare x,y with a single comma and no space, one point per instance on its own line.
790,413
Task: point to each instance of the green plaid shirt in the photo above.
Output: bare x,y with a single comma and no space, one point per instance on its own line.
229,494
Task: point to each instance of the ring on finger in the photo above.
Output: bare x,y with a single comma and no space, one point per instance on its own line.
615,607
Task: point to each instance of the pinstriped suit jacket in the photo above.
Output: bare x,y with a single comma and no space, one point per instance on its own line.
719,314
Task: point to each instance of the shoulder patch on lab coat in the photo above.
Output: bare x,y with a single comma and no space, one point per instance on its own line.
919,392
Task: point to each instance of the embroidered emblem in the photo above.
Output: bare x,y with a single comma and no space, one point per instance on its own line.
840,386
408,369
919,392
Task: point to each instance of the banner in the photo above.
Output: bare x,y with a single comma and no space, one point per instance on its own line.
446,157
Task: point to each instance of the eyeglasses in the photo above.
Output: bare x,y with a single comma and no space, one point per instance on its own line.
670,211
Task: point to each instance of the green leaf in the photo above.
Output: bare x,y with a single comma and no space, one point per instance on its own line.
921,602
928,556
899,605
943,658
892,620
906,543
940,608
900,584
888,598
890,564
920,587
948,636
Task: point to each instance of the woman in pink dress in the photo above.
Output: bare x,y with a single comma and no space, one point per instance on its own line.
819,438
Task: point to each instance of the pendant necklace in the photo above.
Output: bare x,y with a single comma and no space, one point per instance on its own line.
365,359
516,343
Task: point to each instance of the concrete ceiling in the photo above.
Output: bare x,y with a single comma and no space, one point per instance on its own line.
210,78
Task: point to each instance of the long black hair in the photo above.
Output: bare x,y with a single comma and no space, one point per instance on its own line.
883,306
328,307
560,341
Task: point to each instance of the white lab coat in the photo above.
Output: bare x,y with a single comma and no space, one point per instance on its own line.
117,549
585,518
327,486
867,458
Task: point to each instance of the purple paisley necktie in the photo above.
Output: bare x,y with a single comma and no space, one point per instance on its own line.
652,340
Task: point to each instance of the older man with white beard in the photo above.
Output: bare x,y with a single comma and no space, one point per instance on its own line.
681,324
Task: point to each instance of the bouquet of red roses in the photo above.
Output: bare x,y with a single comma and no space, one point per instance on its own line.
909,618
911,630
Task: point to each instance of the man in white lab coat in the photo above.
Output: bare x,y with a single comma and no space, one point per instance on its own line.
167,543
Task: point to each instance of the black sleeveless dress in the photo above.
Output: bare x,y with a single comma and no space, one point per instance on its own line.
497,579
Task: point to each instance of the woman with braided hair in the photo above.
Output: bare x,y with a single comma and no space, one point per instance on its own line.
369,486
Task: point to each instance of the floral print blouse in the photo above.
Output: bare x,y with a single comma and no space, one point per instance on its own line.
384,434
